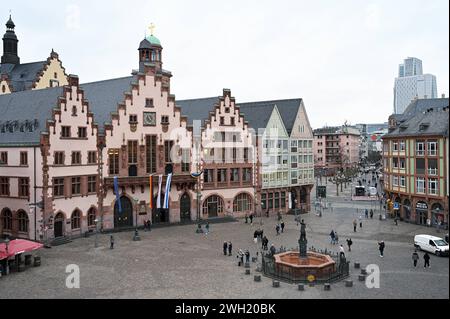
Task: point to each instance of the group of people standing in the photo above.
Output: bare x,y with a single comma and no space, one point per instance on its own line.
227,248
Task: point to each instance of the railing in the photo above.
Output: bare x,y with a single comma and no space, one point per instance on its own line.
269,269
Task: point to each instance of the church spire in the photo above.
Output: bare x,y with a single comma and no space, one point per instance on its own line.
10,44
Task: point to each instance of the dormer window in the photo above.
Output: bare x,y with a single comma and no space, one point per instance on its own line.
149,103
423,126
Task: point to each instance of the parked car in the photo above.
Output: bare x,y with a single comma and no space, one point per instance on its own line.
432,244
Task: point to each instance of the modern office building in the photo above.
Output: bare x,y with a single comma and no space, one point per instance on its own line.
412,83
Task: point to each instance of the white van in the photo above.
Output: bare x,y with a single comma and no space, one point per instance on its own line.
432,244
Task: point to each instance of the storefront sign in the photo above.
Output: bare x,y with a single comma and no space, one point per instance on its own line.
422,206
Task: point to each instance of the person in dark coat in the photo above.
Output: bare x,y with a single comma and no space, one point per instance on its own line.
282,226
273,250
111,240
354,225
349,244
247,256
371,213
381,247
230,248
277,228
415,258
225,248
246,218
426,258
251,218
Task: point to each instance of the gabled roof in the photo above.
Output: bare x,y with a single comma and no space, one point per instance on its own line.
257,115
197,109
22,76
288,110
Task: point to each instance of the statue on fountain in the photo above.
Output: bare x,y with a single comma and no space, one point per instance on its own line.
302,242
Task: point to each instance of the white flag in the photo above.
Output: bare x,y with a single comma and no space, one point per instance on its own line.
158,201
167,192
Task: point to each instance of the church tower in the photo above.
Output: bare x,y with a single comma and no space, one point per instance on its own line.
150,51
10,44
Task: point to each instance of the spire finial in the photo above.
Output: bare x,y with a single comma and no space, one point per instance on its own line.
151,28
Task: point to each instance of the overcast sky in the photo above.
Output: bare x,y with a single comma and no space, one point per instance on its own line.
340,56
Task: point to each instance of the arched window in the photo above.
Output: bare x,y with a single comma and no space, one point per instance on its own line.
23,221
213,205
242,203
7,219
92,214
75,219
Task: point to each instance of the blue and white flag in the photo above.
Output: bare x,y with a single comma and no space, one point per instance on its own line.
290,200
158,200
116,190
166,195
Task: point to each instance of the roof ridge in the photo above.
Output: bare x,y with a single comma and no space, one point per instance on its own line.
272,101
107,80
29,63
196,99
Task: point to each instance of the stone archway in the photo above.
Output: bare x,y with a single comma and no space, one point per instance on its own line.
185,208
124,218
58,225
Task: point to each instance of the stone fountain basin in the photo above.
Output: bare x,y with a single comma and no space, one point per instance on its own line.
318,265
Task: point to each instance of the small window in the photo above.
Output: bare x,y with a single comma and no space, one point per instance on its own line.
133,119
65,131
76,158
59,158
23,158
222,120
3,158
3,89
92,157
232,121
227,110
164,119
82,132
55,75
76,185
149,103
92,184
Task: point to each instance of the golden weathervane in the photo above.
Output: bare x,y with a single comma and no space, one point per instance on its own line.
151,28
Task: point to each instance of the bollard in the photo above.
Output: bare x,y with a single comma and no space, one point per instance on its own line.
349,283
362,278
247,265
276,284
257,278
363,271
326,287
357,265
37,261
301,287
247,271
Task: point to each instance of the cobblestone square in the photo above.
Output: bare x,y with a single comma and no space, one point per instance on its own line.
175,262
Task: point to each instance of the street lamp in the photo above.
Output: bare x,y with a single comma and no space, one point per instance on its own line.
7,253
96,232
136,232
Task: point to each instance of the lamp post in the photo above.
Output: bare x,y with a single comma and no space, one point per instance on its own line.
136,232
96,232
7,253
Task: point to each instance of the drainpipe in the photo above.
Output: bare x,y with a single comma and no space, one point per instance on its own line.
34,177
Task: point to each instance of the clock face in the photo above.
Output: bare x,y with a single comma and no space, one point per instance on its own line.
149,119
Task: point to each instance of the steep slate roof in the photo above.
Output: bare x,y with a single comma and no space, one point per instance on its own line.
22,109
257,114
435,120
103,97
288,110
197,109
421,105
22,76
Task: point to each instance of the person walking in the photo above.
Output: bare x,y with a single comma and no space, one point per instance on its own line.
230,248
360,221
111,241
273,250
332,237
371,214
277,228
282,226
336,238
381,247
354,225
426,258
207,228
241,257
246,218
251,219
225,248
349,244
415,258
247,256
367,213
265,243
396,221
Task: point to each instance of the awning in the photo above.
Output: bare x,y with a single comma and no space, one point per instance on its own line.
18,246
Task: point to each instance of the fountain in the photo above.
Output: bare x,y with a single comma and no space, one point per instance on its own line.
303,264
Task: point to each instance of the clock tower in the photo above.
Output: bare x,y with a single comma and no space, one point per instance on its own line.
150,51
